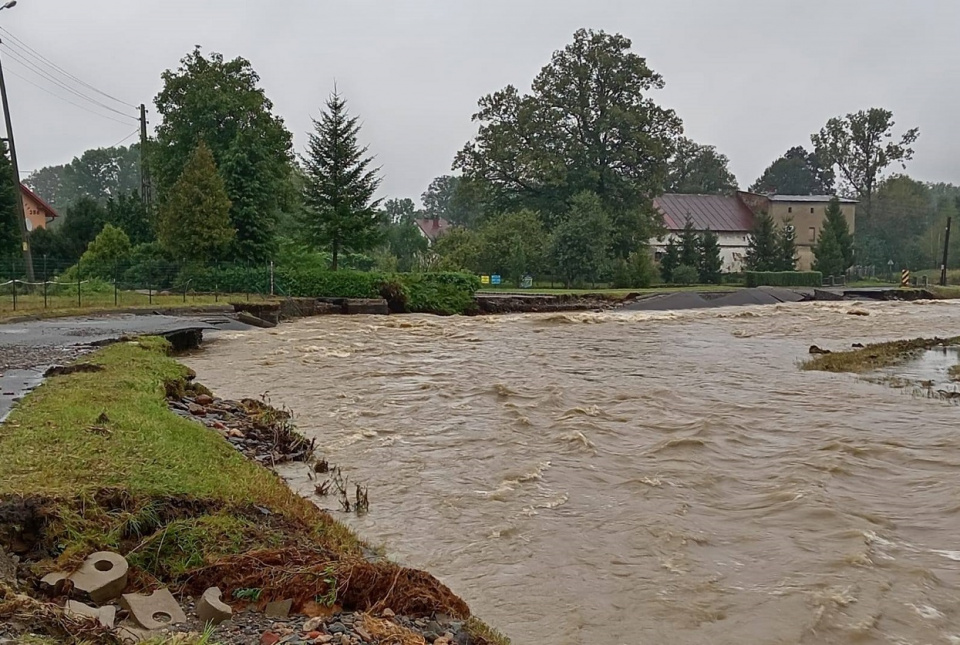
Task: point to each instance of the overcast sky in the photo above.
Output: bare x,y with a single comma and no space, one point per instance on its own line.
753,77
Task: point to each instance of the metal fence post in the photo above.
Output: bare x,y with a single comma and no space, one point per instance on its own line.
116,280
45,281
79,297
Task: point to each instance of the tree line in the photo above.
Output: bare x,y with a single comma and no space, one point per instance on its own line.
555,182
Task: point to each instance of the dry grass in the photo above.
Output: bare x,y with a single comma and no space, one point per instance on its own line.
877,356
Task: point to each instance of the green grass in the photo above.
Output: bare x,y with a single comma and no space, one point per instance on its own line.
877,356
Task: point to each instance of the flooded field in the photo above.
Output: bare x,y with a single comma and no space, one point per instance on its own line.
639,478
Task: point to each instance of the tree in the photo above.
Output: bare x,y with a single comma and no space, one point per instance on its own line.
797,172
194,223
220,103
860,146
763,246
836,225
689,245
670,260
100,174
580,241
10,239
406,243
340,185
127,212
786,258
513,245
81,224
458,250
588,125
685,274
711,262
400,210
105,255
828,256
699,169
903,210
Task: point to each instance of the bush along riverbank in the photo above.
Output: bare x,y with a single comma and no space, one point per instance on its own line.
97,461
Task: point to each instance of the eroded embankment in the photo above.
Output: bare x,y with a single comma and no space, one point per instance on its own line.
96,461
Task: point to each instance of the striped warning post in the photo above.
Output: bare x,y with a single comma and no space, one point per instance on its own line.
905,278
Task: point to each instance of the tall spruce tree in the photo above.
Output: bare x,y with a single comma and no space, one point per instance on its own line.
194,224
828,255
689,245
670,260
786,259
711,263
838,226
763,246
341,212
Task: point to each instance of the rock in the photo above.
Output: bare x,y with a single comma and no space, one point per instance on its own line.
204,399
313,624
249,319
345,640
197,410
278,609
336,628
103,576
211,610
269,638
128,632
858,312
362,633
314,635
104,615
156,611
816,350
388,613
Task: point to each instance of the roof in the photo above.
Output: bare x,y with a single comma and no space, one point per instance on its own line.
810,199
719,213
49,210
433,228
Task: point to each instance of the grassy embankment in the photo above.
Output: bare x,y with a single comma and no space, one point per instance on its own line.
96,461
878,356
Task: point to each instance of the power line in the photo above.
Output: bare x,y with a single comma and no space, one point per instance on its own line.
34,68
65,100
62,71
126,138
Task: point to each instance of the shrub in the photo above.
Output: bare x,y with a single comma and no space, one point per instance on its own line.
686,274
784,278
635,272
443,294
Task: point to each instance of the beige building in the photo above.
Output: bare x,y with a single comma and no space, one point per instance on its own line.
806,213
36,212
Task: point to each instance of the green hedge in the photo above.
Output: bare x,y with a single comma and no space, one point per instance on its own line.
435,293
784,278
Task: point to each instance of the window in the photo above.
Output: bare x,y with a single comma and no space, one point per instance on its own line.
813,234
811,211
789,209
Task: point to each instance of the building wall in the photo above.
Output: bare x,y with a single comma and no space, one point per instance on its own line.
35,215
733,249
808,218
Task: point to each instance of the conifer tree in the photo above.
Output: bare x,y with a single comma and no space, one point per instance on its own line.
341,212
194,224
711,263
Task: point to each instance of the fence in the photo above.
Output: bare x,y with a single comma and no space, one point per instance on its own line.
60,286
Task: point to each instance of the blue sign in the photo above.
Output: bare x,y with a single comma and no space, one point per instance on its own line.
495,280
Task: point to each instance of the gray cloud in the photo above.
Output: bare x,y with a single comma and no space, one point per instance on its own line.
752,77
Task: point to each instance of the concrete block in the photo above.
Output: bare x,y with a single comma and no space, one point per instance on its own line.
106,616
103,576
368,306
211,609
278,609
130,632
156,611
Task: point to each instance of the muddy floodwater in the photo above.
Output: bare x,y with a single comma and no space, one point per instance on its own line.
655,478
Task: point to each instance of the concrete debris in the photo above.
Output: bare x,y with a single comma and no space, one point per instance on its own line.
278,609
103,576
106,616
211,609
156,611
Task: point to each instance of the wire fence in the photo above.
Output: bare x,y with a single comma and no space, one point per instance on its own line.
103,285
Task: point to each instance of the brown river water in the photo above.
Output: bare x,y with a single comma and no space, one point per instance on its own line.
656,477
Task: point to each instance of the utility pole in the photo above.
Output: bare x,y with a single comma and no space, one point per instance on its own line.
946,252
20,214
146,188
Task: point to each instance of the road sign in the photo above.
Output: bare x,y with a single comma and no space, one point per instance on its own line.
527,282
495,280
484,279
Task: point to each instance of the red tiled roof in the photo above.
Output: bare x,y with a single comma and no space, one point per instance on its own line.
719,213
47,208
433,228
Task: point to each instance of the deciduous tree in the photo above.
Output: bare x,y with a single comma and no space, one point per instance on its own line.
589,124
221,103
861,146
797,172
342,214
699,169
581,240
194,224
